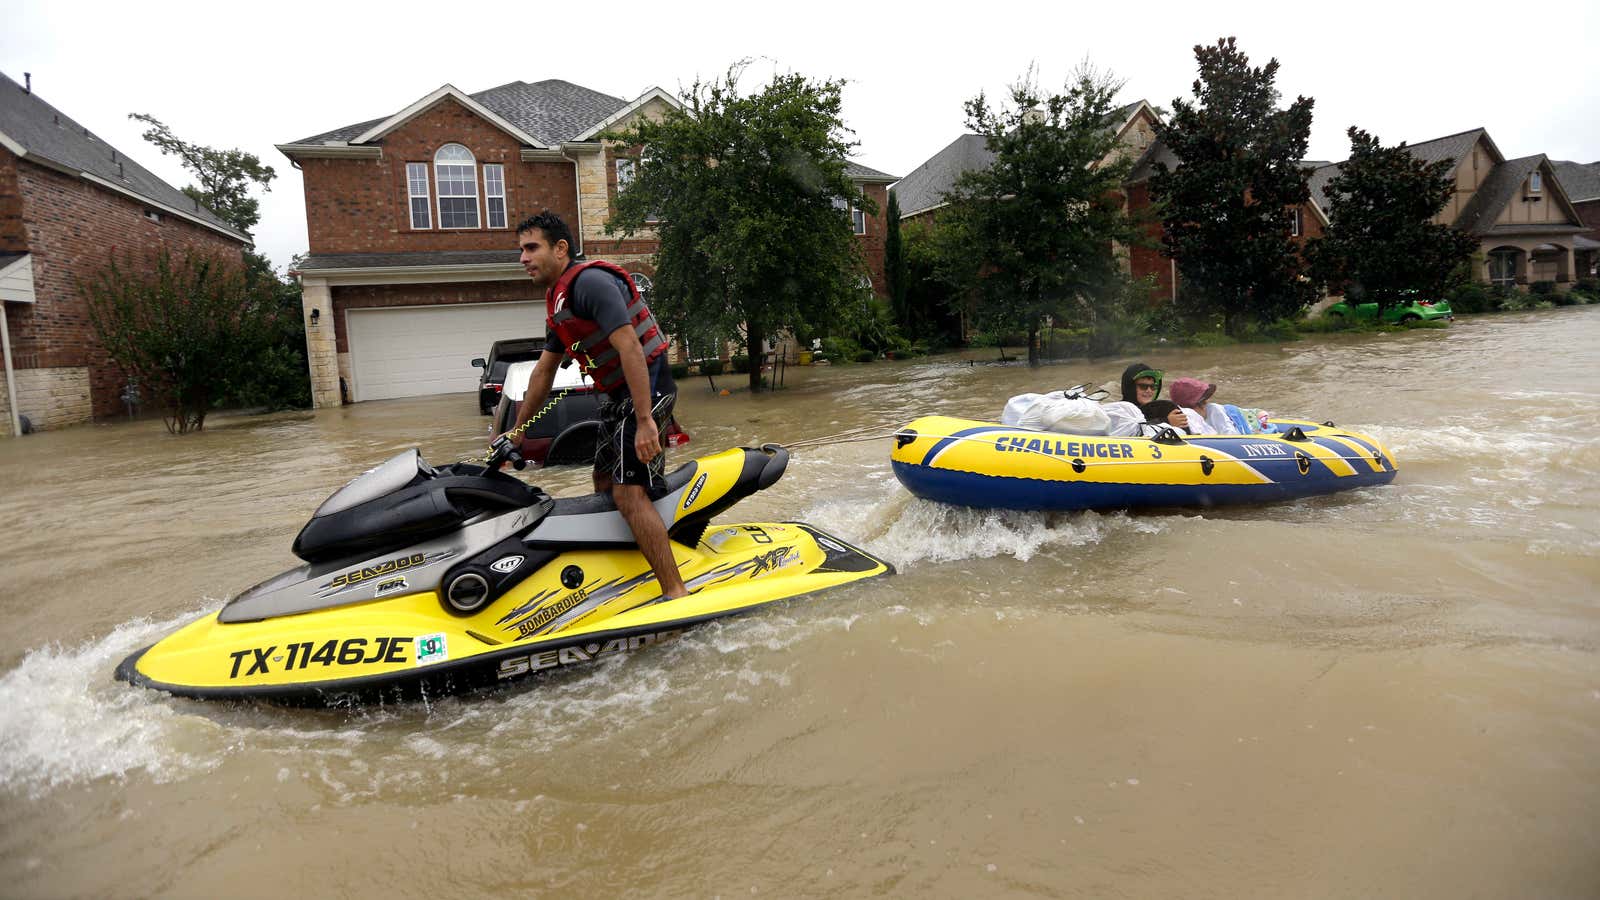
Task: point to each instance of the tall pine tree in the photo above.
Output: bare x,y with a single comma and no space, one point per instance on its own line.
1381,241
1228,204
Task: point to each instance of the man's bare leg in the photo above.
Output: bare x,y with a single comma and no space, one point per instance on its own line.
650,534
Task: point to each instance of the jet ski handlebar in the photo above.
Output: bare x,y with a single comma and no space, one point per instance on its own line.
504,450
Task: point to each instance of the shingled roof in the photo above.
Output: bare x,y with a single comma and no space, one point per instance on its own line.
36,131
926,186
1581,180
551,111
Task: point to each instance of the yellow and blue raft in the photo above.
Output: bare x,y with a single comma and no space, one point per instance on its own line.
979,464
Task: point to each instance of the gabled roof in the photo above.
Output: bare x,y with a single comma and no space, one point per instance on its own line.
36,131
655,93
857,172
925,187
1454,147
1580,180
1482,213
543,114
1145,166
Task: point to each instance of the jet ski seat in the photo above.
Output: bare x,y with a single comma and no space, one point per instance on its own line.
402,501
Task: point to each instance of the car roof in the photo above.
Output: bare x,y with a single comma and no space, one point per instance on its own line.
517,376
513,345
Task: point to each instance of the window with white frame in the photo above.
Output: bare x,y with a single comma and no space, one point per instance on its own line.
642,282
624,174
494,194
1535,183
853,213
417,188
1294,222
456,171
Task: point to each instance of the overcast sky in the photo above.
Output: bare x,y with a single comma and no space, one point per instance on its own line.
253,76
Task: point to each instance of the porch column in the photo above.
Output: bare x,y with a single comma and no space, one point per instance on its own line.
1564,266
316,304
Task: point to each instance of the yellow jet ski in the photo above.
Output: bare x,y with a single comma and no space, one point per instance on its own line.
420,581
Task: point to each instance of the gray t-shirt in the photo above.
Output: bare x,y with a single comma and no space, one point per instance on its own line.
602,298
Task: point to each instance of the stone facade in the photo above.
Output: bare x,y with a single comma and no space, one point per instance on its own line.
72,228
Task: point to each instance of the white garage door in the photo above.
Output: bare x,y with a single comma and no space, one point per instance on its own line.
418,350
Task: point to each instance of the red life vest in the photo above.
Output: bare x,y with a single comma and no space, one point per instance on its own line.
582,338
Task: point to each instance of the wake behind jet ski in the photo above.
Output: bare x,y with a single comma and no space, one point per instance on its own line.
420,581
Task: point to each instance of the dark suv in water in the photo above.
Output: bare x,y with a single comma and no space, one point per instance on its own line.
564,434
501,355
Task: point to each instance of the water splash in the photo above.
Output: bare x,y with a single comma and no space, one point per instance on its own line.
64,720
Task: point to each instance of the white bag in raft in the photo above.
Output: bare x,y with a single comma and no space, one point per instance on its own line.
1055,412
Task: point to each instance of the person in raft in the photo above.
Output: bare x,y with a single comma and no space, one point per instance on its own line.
1140,385
1194,394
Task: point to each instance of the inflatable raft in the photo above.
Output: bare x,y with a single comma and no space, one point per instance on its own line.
969,463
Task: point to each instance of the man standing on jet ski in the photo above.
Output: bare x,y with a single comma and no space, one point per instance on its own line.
594,313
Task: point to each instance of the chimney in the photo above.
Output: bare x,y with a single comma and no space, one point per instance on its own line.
27,82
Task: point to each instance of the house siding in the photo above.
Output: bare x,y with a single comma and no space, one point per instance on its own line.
73,228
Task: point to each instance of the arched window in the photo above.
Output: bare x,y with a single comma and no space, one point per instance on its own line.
642,282
457,174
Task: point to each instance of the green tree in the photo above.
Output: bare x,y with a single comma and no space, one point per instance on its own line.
1041,221
894,266
744,193
1229,202
186,327
225,176
1381,241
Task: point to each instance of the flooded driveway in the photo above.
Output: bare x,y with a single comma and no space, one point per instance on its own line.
1389,692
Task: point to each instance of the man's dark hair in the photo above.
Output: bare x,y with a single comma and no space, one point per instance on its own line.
554,230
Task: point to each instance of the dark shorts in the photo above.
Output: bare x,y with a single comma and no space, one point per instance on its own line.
614,453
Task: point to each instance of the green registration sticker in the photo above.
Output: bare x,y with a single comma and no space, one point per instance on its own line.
431,648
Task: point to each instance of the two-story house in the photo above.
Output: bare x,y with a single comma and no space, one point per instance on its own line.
68,203
413,270
1517,209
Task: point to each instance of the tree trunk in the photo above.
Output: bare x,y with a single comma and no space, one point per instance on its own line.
1033,345
752,349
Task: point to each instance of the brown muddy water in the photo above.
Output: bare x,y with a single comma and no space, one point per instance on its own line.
1391,692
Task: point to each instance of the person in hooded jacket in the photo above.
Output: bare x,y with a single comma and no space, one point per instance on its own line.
1140,385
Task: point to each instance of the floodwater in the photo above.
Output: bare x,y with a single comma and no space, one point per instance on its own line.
1390,692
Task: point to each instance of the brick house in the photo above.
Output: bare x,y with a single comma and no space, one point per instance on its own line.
68,201
1305,222
921,194
412,269
1527,228
1582,183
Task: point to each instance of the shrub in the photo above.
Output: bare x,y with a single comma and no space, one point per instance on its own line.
740,364
1542,288
1567,298
711,367
841,348
865,356
1513,300
1471,297
1589,288
680,371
